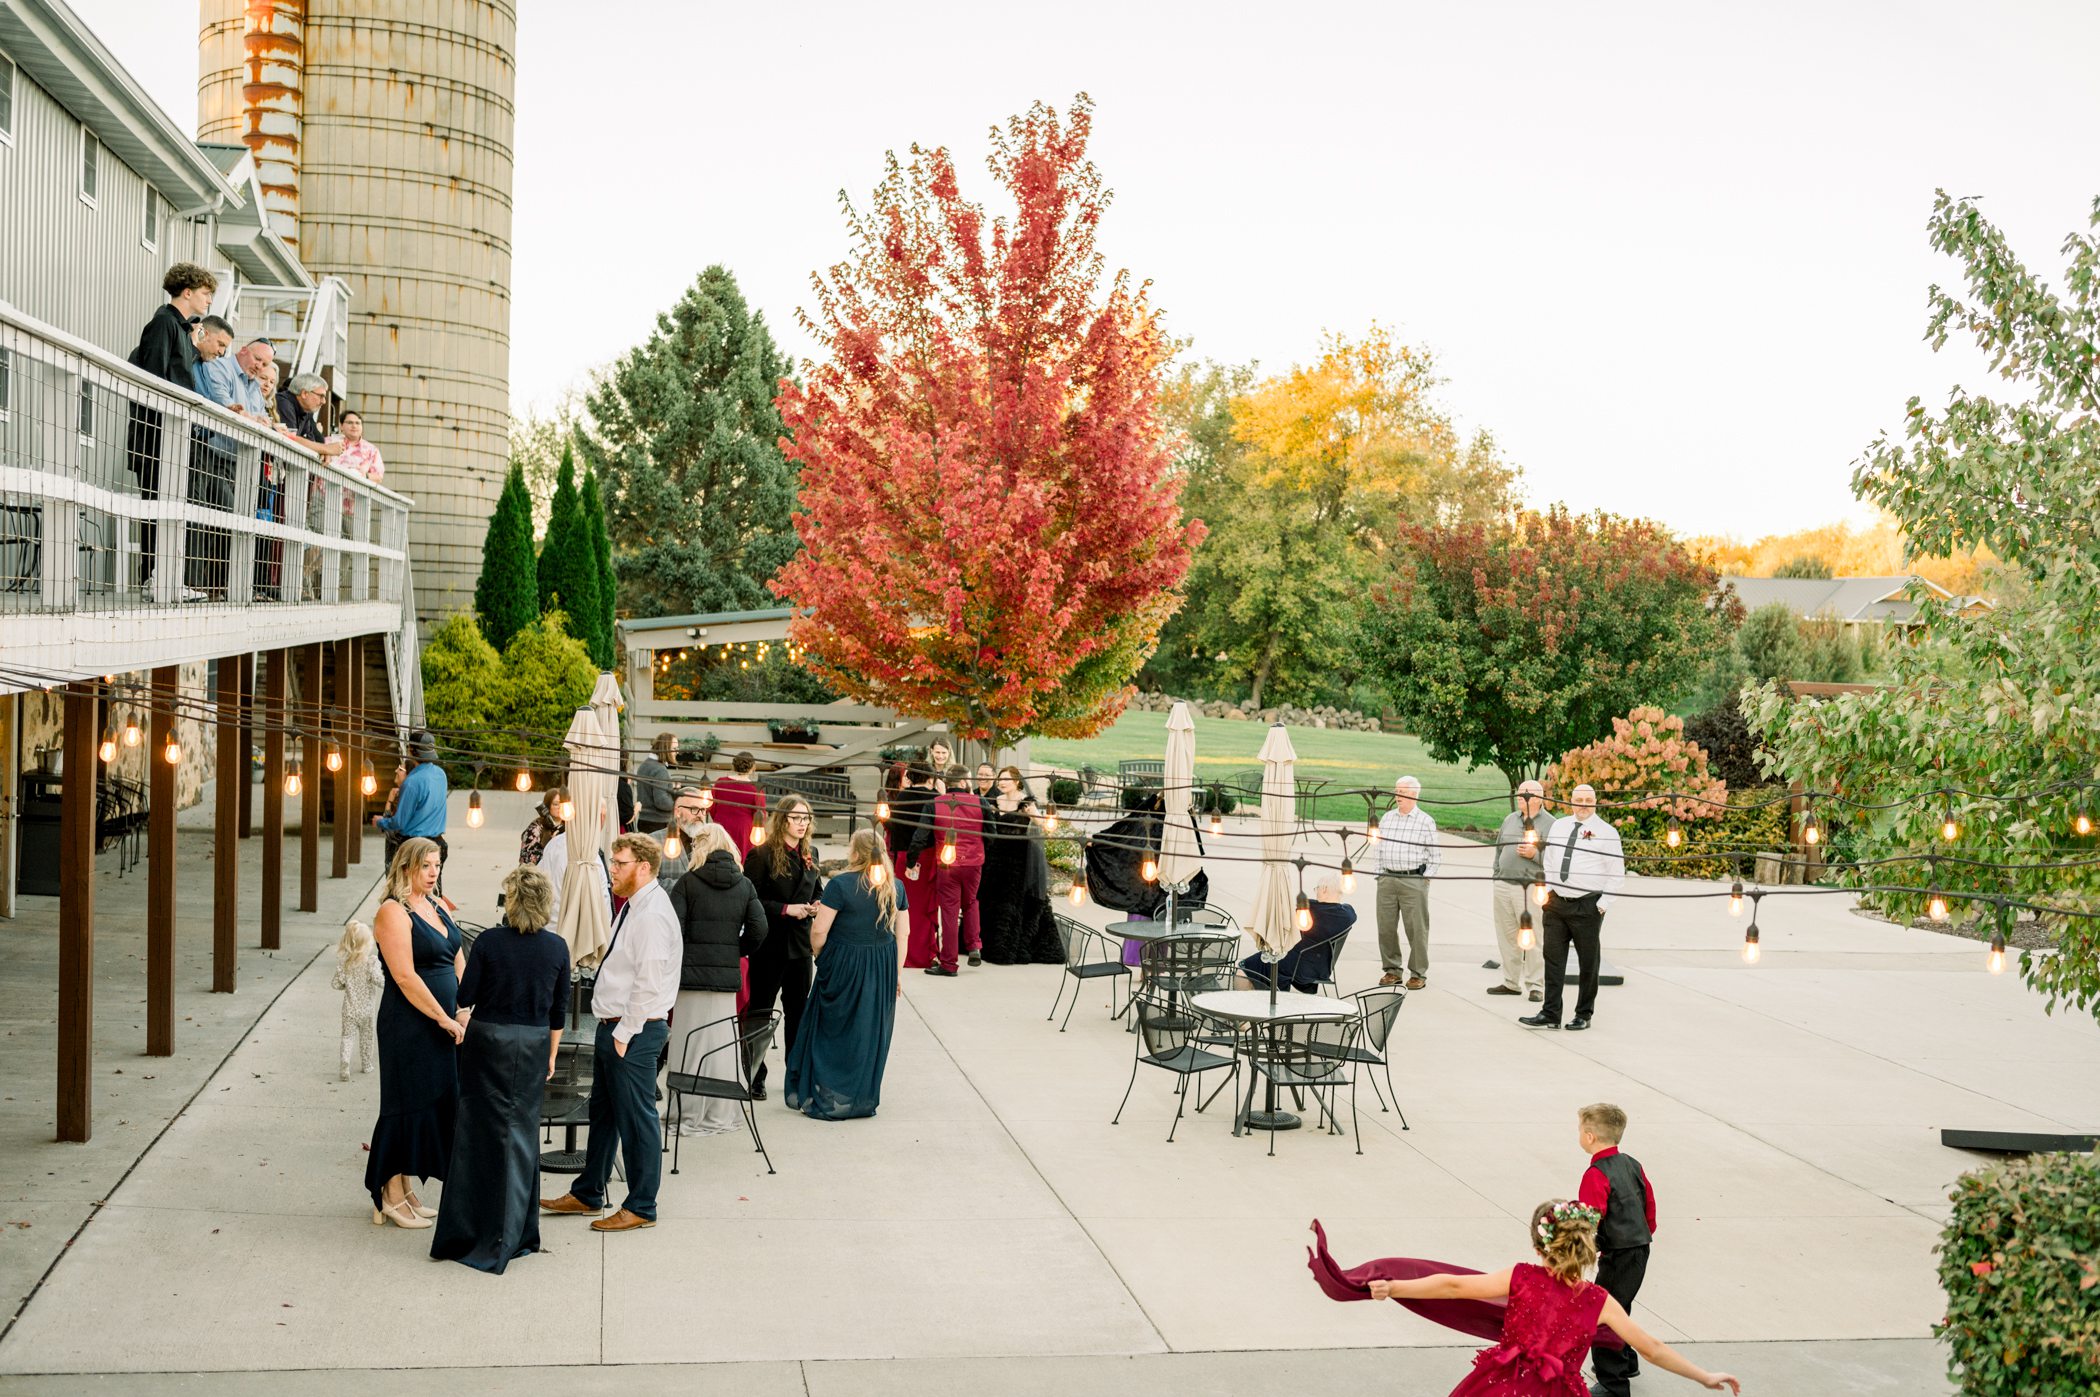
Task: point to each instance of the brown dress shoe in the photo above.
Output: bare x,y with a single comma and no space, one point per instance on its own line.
569,1205
1389,979
622,1221
1415,982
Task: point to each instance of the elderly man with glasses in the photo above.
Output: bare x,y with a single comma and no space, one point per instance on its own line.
1516,868
1408,858
1585,864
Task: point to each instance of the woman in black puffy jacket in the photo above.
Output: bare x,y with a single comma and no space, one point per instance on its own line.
722,918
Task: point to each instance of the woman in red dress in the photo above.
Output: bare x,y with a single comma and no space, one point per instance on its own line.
1553,1313
738,802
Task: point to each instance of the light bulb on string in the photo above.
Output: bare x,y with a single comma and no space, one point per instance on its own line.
882,811
368,783
108,750
672,846
474,810
171,751
948,849
1950,828
292,782
334,760
1735,898
1348,875
1526,938
1050,820
1674,834
707,796
1750,947
565,810
1538,890
1217,823
2081,824
1996,961
1149,869
1304,914
1811,829
758,833
131,730
876,873
1936,906
524,781
1076,894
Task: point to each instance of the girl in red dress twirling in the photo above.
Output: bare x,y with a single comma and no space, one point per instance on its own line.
1552,1317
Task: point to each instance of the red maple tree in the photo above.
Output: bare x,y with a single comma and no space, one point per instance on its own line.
989,518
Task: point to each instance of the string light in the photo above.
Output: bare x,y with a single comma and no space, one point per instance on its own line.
108,750
1077,893
1996,960
1526,939
1735,898
131,731
882,811
758,834
1217,823
707,796
565,810
1348,875
474,810
1050,820
292,783
334,760
1674,835
171,753
876,873
1149,869
948,849
672,846
1950,828
1751,951
1304,916
1811,829
369,781
1936,906
1538,889
2082,824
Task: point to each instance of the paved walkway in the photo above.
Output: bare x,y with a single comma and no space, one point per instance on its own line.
1787,1112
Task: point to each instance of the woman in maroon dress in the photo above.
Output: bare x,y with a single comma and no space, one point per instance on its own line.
1552,1318
738,802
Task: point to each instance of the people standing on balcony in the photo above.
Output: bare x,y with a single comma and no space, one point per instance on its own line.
653,777
165,350
739,803
420,813
783,870
357,454
207,551
297,402
266,379
958,836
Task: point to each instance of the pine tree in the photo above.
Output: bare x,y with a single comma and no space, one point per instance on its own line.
608,585
685,438
506,597
568,570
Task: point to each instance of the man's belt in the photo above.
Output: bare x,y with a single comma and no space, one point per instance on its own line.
1417,871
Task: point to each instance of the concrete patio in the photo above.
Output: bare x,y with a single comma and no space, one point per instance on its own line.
1788,1114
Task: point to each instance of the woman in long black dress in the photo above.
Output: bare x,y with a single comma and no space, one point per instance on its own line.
1013,901
512,1001
418,1064
783,872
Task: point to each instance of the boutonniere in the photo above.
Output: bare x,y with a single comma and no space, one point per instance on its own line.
1589,834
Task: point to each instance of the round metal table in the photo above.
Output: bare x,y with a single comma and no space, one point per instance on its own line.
1142,929
1260,1006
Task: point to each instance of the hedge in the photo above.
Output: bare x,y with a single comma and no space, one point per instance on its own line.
1725,846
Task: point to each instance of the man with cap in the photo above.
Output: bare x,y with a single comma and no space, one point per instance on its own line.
1517,866
420,812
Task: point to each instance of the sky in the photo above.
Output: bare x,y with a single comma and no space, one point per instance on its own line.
1673,256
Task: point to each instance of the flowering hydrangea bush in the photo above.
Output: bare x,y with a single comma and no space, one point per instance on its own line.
1646,764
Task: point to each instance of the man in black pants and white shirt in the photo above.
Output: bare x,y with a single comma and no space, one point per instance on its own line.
1584,865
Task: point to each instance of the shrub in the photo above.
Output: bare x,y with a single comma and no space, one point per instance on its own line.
699,750
1141,793
462,677
1065,790
1214,800
2020,1263
768,678
1725,845
547,676
1645,764
1731,748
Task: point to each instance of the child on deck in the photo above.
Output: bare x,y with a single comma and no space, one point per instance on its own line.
1618,1188
359,977
1552,1317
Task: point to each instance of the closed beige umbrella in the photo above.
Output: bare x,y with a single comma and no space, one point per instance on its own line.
1275,924
593,743
1179,861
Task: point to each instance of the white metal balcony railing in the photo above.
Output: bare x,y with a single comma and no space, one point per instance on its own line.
178,524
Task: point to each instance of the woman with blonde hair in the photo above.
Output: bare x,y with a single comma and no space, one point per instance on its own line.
721,919
834,1068
421,951
1553,1316
512,1000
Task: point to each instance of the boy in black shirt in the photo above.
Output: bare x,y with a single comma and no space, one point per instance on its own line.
1616,1186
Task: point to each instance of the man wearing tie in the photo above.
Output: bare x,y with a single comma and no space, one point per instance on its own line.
637,985
1584,865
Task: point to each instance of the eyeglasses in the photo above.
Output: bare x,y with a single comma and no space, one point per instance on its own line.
803,815
625,863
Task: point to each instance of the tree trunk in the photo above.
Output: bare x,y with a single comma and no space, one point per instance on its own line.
1264,668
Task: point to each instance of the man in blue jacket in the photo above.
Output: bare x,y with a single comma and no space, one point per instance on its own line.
420,812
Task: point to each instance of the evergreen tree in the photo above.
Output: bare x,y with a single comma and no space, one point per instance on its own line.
568,564
608,585
506,597
685,438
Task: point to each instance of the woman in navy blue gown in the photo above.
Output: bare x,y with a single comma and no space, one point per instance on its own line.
418,1068
834,1070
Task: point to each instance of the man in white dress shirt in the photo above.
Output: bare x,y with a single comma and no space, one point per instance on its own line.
1584,865
637,985
1407,859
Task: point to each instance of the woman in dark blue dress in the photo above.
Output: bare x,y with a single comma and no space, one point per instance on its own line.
418,1068
834,1069
512,1002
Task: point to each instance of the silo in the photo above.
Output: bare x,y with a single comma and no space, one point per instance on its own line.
382,132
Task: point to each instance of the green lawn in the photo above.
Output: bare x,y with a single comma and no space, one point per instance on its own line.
1342,759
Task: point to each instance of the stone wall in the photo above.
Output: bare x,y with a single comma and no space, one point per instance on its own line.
1290,715
43,725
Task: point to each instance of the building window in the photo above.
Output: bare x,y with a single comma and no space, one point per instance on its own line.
7,101
90,167
6,384
149,234
87,412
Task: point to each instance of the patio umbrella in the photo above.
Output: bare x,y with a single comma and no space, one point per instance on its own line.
1179,860
1275,924
593,744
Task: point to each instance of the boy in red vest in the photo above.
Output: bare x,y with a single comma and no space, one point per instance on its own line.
1616,1186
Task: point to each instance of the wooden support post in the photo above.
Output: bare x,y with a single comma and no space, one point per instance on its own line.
273,717
339,712
160,868
226,820
311,773
247,824
358,750
76,919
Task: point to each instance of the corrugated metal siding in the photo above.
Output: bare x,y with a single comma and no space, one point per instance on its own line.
82,269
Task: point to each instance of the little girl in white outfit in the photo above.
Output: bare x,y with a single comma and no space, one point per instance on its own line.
359,976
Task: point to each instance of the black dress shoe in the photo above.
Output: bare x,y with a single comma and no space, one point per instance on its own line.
1502,989
758,1091
1539,1020
936,970
1576,1025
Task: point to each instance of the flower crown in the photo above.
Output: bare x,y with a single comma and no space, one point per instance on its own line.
1581,1214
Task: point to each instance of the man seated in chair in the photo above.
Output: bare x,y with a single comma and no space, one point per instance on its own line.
1309,962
